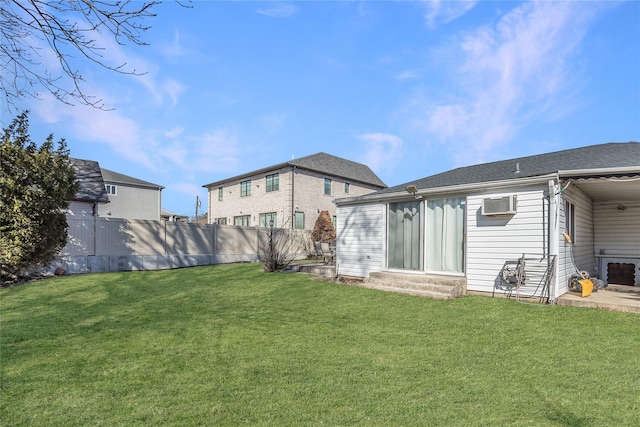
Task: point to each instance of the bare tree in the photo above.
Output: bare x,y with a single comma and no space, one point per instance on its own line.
279,247
68,29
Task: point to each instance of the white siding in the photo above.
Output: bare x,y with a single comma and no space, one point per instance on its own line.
617,235
493,240
360,237
617,231
132,203
579,254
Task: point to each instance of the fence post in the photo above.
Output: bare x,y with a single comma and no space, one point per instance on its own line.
164,242
214,228
95,230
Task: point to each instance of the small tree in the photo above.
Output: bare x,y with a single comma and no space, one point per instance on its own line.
323,230
278,247
36,186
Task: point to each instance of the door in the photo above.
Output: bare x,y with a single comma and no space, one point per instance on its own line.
404,236
444,235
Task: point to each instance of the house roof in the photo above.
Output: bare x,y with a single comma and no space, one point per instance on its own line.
165,212
323,163
595,157
89,178
118,178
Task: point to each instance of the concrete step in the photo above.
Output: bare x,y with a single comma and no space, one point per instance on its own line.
319,269
428,286
407,291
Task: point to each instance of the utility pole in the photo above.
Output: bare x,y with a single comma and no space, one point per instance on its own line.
197,206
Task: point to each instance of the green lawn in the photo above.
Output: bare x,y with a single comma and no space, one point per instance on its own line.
232,345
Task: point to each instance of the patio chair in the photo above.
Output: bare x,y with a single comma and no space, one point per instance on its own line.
318,249
328,255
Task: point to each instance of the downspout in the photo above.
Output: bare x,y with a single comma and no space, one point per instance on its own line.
293,197
160,203
95,227
554,239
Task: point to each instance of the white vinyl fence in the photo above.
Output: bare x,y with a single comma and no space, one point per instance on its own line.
99,244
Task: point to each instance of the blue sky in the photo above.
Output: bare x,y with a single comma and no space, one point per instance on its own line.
408,88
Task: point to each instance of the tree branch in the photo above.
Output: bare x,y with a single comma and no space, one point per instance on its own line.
67,28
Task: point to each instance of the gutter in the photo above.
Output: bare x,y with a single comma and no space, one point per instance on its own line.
293,197
462,188
601,171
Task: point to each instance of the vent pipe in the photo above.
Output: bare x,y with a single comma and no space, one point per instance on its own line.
516,171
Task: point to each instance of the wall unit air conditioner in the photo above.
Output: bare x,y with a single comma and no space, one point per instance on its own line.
499,206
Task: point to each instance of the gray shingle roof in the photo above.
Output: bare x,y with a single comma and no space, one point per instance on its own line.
610,155
89,177
325,164
337,166
118,178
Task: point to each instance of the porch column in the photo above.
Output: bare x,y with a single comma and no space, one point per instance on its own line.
554,238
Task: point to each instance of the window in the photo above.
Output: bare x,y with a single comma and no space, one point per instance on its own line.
242,221
111,189
220,193
327,186
570,220
245,188
334,220
347,187
221,221
299,221
273,182
266,218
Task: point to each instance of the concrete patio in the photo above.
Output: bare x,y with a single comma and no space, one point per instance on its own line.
614,297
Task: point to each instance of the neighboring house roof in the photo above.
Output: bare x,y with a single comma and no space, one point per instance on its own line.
322,163
118,178
165,214
91,183
604,156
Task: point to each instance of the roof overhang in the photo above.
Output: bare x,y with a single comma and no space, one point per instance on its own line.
612,184
280,168
615,184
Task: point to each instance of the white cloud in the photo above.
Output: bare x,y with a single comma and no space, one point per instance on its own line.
445,11
174,133
510,73
217,151
279,10
144,73
173,88
407,75
174,49
122,134
381,150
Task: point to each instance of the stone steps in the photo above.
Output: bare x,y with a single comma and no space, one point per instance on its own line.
318,269
427,286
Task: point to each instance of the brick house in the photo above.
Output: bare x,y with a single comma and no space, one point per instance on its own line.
291,194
